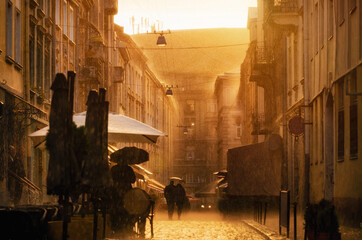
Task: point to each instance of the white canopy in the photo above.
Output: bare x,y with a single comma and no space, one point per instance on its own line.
120,129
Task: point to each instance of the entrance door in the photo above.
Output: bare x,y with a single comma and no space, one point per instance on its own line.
329,150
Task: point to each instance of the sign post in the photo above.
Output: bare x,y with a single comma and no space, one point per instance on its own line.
284,211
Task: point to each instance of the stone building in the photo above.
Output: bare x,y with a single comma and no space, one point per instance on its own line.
229,115
333,52
306,55
271,87
44,37
139,94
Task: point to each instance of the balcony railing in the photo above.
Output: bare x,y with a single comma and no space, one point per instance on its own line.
263,55
258,124
280,7
285,6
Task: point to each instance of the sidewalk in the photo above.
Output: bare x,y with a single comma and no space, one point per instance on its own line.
271,229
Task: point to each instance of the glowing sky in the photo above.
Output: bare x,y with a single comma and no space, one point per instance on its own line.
182,14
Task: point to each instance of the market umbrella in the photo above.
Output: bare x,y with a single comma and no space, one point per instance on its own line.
129,155
120,129
63,172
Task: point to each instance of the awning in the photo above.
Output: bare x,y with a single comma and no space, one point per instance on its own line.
120,129
155,185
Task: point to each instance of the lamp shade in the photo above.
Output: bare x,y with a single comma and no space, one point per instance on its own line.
169,92
161,41
185,131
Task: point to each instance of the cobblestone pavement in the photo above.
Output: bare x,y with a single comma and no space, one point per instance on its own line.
199,226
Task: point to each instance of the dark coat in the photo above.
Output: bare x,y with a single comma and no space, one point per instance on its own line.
170,193
180,194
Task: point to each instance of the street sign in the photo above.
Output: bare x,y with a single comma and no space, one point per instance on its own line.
296,125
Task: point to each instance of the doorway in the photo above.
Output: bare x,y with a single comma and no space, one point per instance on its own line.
329,149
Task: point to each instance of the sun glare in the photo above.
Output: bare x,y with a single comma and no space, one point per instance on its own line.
140,16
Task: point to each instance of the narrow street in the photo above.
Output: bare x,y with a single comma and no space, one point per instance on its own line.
200,226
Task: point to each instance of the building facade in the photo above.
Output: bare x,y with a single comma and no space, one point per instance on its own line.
306,57
196,139
229,115
45,37
333,92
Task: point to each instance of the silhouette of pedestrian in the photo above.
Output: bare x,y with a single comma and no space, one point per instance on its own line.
180,198
169,193
123,176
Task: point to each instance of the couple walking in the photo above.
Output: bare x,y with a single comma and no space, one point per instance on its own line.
174,195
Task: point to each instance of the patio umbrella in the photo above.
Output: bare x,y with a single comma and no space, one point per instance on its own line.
221,173
129,155
120,129
176,178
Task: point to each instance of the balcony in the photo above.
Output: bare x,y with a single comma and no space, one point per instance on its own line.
282,12
91,73
118,74
262,65
258,124
110,7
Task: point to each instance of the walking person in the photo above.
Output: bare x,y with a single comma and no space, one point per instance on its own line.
170,192
180,198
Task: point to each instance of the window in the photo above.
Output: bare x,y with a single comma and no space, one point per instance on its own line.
65,22
321,23
71,24
9,29
190,106
31,56
340,11
320,130
41,4
238,131
353,116
211,107
39,63
352,5
47,70
18,36
48,7
330,18
57,12
340,132
315,28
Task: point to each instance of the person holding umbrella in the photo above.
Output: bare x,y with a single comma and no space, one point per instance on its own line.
170,195
123,177
180,198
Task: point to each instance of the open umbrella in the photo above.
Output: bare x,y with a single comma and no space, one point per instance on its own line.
221,174
176,178
120,129
129,155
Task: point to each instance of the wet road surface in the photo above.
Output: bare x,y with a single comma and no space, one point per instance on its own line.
198,226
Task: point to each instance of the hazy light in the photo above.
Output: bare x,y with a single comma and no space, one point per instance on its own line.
139,16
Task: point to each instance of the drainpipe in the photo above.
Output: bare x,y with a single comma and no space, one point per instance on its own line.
306,109
285,135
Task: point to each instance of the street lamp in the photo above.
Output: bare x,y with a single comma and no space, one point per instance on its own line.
169,90
161,41
185,128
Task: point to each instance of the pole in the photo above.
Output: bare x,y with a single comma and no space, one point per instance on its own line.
295,219
95,219
66,216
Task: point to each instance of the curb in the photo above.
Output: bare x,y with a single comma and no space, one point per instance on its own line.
264,231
